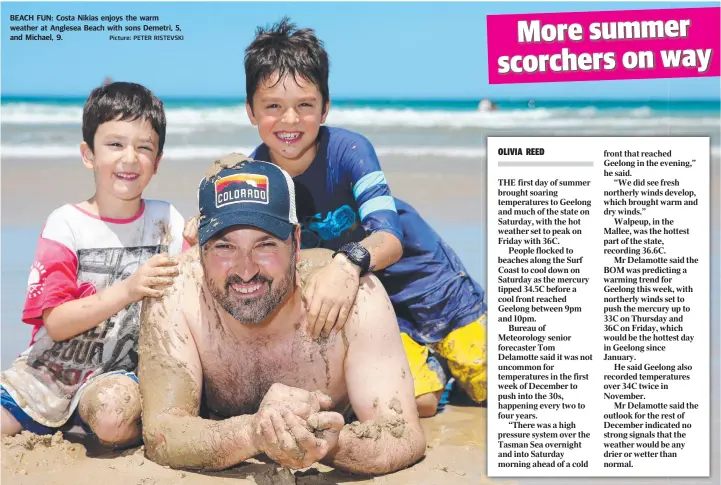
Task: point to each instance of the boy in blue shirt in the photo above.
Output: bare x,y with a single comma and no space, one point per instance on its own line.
344,204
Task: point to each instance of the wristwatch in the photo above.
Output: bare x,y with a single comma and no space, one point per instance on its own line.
357,255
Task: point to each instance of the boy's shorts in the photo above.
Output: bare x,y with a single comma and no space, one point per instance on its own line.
464,349
29,424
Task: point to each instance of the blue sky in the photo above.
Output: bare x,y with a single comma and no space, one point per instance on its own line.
402,50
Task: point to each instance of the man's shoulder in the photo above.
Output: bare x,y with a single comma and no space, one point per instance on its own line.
371,302
190,260
183,293
370,289
191,281
191,271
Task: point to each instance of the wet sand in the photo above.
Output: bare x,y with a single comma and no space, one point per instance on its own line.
455,454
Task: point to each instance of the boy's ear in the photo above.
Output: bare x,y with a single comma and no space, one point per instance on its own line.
249,110
88,156
157,163
325,112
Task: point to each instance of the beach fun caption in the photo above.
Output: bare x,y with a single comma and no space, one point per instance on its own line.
613,45
56,28
598,288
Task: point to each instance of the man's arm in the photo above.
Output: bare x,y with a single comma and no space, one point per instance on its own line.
171,380
389,436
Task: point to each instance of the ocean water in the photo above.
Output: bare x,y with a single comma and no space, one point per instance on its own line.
50,127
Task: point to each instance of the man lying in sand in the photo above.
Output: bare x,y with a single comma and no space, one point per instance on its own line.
231,334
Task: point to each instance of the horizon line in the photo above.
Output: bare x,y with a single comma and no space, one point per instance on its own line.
384,98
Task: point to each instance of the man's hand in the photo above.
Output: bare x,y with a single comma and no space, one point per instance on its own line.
330,295
290,441
190,232
154,276
327,427
299,401
282,430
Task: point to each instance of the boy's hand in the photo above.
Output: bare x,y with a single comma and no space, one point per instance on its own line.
190,232
330,295
152,277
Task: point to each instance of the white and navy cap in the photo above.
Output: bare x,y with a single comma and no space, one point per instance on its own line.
246,193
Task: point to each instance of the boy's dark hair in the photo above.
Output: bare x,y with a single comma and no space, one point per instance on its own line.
284,49
122,101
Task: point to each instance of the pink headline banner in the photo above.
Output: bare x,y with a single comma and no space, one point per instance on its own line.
603,46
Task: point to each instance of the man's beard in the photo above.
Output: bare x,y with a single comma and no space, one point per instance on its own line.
253,310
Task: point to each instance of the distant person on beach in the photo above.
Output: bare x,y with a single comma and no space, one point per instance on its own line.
228,368
95,261
487,105
344,204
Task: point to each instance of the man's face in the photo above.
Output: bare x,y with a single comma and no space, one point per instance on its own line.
288,114
249,272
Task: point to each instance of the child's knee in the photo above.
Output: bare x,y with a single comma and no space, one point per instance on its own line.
111,407
427,404
10,425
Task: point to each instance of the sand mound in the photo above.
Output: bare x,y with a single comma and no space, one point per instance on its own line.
28,453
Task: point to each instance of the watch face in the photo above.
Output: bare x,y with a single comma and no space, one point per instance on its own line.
357,254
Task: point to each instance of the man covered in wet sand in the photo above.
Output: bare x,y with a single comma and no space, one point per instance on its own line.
230,336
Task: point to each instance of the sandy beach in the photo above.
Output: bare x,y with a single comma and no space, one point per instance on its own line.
455,454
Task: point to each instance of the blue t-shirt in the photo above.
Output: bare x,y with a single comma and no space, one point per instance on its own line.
343,196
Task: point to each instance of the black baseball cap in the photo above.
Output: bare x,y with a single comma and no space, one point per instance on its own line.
249,193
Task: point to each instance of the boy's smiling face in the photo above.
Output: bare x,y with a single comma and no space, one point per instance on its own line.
288,115
124,159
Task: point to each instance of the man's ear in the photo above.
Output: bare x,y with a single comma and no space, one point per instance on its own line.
296,249
249,110
88,156
325,111
297,241
157,163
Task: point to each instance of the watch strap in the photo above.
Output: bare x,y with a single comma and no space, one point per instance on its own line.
357,255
